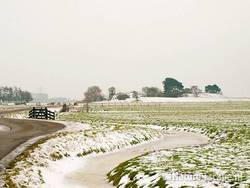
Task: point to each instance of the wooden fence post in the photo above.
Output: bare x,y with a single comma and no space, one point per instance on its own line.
46,113
34,112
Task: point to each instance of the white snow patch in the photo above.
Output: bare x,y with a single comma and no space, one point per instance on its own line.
74,126
215,98
56,172
204,97
123,181
55,109
156,127
4,128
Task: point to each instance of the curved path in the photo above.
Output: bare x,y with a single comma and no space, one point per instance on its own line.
22,130
91,171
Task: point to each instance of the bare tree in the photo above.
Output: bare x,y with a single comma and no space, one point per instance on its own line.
94,93
135,95
112,92
195,91
151,92
122,96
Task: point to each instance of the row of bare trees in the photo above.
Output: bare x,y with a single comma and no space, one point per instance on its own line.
94,94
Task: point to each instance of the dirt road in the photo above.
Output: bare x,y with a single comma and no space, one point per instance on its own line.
91,171
22,130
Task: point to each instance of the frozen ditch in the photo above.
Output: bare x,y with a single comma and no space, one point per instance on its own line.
91,171
81,155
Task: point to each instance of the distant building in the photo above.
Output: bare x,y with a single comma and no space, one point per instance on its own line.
40,97
131,94
58,100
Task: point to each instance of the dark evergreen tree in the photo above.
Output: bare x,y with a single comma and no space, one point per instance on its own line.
213,89
172,88
122,96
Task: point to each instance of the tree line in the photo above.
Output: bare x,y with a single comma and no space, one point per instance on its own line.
14,94
171,88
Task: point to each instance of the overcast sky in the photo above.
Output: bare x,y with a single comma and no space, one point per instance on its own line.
64,46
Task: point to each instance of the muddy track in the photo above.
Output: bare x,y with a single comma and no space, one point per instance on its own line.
22,130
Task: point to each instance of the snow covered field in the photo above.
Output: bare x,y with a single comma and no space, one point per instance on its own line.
189,99
204,97
223,162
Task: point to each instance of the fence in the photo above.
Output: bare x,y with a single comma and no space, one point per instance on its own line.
41,113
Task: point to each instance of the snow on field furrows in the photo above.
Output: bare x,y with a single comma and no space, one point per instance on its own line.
224,162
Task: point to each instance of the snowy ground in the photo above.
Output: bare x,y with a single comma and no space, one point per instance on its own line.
224,162
112,128
77,140
4,128
204,97
91,171
189,99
